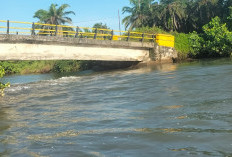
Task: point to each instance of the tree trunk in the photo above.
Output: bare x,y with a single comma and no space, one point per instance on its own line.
59,31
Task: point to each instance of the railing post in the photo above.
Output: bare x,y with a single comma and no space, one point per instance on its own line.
95,35
142,37
33,29
50,28
8,27
56,30
77,32
153,36
112,34
128,36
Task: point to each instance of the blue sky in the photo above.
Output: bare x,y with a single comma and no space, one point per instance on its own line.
88,12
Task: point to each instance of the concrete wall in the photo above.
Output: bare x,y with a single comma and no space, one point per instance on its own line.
163,54
56,52
18,47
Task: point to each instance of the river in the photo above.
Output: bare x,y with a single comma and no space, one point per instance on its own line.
165,110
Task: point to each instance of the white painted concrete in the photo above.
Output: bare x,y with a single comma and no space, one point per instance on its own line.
21,51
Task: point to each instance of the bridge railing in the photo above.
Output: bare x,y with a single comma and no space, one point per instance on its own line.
31,28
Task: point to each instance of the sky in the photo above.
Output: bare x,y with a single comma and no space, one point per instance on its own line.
88,12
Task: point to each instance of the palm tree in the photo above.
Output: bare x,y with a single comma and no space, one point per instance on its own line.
173,15
54,16
139,13
176,15
155,18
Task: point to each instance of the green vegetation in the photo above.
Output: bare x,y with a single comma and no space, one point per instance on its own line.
150,30
54,15
66,66
100,25
2,85
182,45
215,41
26,67
176,15
201,27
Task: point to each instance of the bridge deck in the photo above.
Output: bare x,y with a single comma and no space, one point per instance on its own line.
23,47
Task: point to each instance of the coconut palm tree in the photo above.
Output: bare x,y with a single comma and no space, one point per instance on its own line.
176,15
54,16
173,15
138,13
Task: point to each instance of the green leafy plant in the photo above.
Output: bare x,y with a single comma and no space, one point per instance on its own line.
215,41
195,41
182,44
218,41
66,66
2,85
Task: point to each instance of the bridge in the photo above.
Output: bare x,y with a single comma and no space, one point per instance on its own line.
38,41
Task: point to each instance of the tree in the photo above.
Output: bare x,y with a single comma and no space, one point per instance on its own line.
138,13
176,15
173,15
215,41
218,40
102,29
100,25
54,16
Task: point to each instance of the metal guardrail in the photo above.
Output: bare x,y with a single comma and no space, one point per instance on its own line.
42,29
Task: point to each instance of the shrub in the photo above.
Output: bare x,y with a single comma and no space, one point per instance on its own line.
182,44
2,85
215,41
66,66
195,41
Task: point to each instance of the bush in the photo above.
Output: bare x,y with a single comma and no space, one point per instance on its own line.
195,41
2,85
182,44
66,66
28,67
2,72
215,41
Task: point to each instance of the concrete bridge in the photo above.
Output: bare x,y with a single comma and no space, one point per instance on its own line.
33,47
48,42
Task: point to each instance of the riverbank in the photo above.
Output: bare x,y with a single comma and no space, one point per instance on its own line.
29,67
61,66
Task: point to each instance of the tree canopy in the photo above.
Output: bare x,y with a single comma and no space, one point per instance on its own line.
100,25
54,15
176,15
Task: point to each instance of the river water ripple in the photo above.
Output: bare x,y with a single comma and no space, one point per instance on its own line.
164,110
